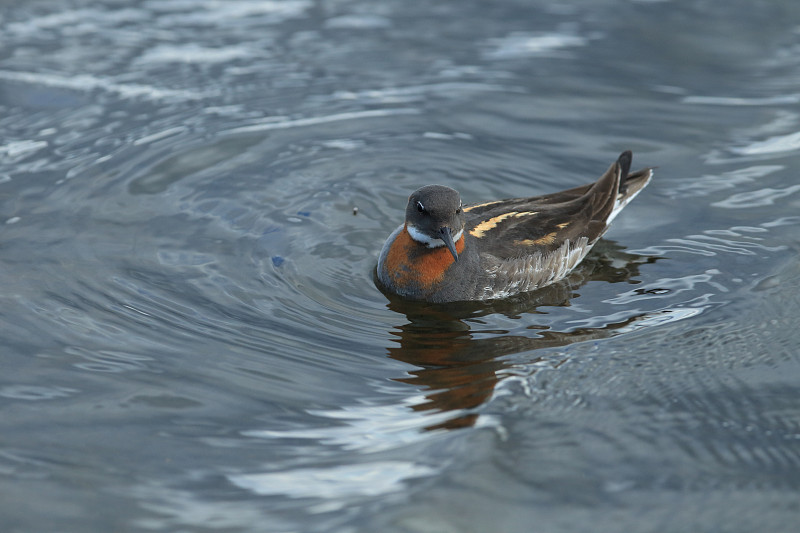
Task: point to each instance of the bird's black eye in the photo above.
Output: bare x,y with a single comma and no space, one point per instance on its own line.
420,207
458,211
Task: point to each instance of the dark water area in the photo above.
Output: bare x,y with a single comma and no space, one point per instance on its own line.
190,334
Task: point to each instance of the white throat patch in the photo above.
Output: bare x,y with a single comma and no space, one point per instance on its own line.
420,237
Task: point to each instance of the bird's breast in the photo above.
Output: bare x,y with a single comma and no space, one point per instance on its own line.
413,266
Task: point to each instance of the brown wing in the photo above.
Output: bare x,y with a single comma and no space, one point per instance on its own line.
521,226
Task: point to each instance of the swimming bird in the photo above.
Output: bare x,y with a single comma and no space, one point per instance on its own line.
446,251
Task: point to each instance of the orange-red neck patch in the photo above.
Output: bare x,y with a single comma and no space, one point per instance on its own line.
411,264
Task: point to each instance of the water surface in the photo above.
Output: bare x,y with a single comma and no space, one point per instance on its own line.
191,336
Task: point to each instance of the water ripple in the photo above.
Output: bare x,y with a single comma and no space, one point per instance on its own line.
88,83
758,198
279,123
741,101
336,484
35,392
521,44
709,184
778,144
741,240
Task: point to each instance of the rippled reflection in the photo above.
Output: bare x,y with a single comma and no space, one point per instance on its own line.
459,369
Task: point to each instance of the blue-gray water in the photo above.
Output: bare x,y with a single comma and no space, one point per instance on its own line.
191,337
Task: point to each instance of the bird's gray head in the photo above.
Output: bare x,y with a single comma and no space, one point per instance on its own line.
435,217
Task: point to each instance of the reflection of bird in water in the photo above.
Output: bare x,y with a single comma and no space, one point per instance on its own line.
459,372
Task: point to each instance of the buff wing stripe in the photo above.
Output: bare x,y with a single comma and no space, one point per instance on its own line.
487,225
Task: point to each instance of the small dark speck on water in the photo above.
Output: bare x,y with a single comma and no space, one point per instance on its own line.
355,211
304,213
651,291
277,260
